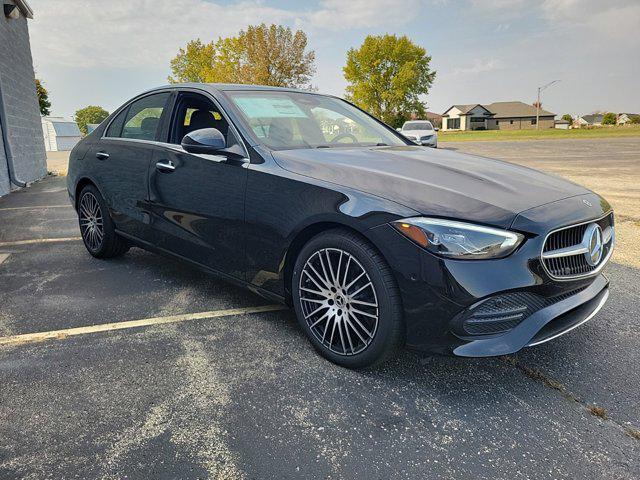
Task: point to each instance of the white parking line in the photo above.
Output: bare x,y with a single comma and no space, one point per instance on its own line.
39,240
3,257
35,207
105,327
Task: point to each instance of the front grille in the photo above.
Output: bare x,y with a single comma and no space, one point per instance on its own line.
572,262
502,313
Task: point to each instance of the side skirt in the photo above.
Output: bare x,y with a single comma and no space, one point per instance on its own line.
223,276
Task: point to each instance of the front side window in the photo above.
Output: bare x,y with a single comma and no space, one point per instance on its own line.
143,117
195,112
289,120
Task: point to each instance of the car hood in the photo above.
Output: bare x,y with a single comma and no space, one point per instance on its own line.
434,182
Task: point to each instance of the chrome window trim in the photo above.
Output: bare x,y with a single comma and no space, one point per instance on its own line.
592,273
173,145
127,105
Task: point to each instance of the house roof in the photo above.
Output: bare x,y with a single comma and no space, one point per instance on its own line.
593,118
515,109
25,9
433,115
63,127
464,109
66,129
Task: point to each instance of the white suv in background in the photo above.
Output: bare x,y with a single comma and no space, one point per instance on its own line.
421,132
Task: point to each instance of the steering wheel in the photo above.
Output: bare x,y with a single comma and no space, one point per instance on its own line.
340,136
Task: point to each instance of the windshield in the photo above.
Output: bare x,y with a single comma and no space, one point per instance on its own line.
417,126
288,120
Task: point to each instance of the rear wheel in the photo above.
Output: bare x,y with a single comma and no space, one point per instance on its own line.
346,299
96,226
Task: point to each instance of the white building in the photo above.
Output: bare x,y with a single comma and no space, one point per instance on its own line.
624,118
60,134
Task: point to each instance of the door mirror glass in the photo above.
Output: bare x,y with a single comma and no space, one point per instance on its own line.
205,140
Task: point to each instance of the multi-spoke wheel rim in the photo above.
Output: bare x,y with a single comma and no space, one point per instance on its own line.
91,222
338,301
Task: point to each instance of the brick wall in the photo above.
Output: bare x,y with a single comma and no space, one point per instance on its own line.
4,172
22,124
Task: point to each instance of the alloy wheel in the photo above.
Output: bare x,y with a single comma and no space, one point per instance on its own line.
91,221
338,301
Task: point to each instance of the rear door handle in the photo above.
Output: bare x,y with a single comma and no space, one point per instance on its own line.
102,155
165,166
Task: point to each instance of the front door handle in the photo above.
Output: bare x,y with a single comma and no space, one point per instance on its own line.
102,155
165,166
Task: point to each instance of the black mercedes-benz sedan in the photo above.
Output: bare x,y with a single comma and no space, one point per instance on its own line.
375,241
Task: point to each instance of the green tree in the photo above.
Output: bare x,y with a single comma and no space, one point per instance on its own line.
387,75
194,63
90,114
635,119
43,99
609,118
567,118
266,55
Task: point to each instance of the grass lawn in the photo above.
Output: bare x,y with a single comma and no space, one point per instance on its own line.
546,134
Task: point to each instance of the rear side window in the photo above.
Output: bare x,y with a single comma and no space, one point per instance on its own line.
143,117
115,128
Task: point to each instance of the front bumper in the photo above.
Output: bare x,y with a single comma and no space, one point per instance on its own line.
543,325
438,293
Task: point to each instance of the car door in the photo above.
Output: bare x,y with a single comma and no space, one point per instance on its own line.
122,157
197,200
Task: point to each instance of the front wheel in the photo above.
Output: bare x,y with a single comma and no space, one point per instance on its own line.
346,299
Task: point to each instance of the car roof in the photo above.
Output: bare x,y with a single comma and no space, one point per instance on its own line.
225,87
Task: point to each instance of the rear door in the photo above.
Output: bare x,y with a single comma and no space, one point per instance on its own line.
122,159
198,203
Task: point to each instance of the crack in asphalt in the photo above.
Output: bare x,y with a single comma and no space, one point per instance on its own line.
549,382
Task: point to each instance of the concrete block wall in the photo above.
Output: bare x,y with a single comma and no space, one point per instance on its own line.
22,123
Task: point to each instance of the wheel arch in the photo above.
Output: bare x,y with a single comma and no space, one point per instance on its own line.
80,184
301,238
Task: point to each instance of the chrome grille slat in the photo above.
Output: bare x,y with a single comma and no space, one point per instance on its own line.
567,264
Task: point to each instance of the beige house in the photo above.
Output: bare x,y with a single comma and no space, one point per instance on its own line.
495,116
625,118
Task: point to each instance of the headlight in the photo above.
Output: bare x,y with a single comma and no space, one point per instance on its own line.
464,241
424,139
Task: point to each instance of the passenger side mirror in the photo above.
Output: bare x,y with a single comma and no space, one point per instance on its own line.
398,129
205,140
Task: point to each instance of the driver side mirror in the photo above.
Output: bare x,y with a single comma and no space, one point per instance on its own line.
205,140
436,129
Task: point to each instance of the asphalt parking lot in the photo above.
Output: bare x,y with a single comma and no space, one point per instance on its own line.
240,393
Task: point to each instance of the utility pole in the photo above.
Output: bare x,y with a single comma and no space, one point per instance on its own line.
540,89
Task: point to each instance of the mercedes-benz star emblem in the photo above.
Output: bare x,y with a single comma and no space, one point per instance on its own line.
593,241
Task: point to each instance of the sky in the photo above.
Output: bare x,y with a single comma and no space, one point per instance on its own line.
97,52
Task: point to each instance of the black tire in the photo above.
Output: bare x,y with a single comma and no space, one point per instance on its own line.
347,251
96,219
